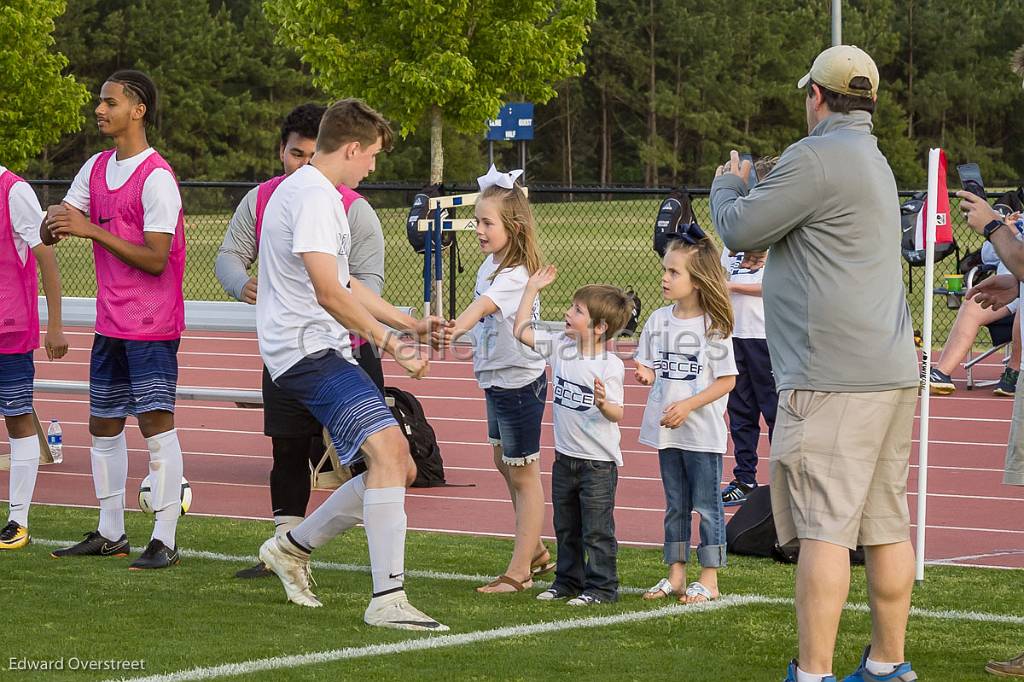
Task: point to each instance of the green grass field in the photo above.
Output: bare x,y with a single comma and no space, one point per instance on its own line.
589,241
198,615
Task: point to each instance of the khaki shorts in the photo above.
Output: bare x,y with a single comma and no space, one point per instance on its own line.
1015,449
839,466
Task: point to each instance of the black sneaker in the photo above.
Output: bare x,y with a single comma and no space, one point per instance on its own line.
588,599
736,493
260,570
940,383
156,555
555,593
95,544
1007,383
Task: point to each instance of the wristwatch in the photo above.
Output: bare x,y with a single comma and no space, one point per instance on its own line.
992,227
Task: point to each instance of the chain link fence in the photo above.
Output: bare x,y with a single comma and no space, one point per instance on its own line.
593,234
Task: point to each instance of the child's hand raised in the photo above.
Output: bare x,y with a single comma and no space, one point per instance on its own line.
675,414
644,375
543,277
600,394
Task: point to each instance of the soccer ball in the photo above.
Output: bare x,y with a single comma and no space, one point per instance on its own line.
146,496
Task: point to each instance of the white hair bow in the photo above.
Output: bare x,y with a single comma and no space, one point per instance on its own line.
496,177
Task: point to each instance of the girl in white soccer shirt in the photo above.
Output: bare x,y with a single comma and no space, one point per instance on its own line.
511,374
20,248
126,201
685,351
587,406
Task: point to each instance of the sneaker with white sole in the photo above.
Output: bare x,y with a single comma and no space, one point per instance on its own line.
554,594
394,611
293,570
586,599
1007,385
940,383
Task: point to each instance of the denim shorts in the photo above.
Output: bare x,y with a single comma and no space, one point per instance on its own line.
514,416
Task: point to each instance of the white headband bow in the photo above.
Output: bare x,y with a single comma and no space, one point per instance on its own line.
496,177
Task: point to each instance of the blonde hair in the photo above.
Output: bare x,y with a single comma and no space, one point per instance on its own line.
517,219
607,304
705,268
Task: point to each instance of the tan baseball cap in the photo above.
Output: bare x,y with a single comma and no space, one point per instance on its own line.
834,68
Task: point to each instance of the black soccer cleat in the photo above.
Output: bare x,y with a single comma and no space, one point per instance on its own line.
260,570
95,544
156,555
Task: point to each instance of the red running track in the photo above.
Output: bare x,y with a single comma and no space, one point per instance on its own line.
972,517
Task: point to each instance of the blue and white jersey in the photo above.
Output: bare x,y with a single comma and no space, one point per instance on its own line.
685,363
747,310
581,430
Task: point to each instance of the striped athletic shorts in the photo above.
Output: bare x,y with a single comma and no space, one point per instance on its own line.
16,375
342,397
132,377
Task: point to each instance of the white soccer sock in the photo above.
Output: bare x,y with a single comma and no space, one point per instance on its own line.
385,522
24,466
878,668
165,472
801,676
339,512
283,524
109,457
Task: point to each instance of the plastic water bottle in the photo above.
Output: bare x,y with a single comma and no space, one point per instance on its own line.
55,439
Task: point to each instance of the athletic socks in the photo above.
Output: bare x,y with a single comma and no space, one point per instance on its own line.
165,474
339,512
878,668
24,466
385,523
109,457
801,676
283,524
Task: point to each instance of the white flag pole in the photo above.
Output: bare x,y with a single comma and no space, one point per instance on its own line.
929,277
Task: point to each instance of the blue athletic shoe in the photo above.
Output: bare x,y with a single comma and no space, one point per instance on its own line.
902,673
791,674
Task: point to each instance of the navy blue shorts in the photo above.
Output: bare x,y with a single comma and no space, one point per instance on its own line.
16,375
342,397
132,377
514,417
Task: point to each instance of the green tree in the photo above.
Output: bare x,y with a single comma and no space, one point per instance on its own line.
39,102
450,60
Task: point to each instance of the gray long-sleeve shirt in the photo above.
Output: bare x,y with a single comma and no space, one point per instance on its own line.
238,252
836,314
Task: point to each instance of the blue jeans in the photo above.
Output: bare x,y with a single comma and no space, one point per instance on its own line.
691,481
583,498
514,416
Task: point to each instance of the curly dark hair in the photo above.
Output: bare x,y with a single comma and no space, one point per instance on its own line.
304,120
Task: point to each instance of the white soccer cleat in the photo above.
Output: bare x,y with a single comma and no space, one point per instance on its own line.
394,611
293,571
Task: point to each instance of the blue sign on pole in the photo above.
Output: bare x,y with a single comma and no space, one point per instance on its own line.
513,123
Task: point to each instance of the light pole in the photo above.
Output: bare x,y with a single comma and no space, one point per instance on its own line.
837,22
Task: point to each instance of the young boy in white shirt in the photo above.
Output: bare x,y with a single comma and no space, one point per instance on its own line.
587,406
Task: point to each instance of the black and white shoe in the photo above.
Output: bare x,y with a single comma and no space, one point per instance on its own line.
156,555
554,593
736,493
940,383
394,611
95,544
587,599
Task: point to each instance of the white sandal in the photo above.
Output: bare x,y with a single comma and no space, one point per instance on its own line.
662,589
698,589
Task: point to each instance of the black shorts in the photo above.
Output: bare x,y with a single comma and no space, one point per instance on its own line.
285,417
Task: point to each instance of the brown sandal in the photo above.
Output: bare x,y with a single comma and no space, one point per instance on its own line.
541,566
505,580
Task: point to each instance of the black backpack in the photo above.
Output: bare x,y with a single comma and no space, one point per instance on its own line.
909,211
422,441
674,211
634,317
419,212
751,531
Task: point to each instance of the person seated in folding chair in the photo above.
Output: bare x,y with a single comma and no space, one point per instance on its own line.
970,318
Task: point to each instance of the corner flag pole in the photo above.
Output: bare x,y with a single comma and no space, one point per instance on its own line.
929,285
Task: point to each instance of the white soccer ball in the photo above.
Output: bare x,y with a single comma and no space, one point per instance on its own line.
146,496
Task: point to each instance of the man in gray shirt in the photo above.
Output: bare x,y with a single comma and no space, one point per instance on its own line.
294,432
841,344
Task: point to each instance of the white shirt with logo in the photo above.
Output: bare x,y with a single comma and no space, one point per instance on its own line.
747,310
685,362
499,359
303,216
581,430
26,216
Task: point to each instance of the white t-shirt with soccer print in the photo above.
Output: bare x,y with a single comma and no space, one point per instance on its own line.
685,362
499,359
581,430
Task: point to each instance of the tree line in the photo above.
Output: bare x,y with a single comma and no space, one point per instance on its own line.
668,87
